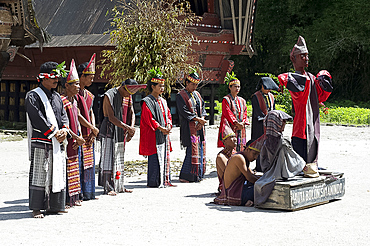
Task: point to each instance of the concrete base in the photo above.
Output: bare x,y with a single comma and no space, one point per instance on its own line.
299,192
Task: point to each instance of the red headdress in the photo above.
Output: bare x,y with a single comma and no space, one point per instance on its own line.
90,69
156,76
73,74
257,145
132,86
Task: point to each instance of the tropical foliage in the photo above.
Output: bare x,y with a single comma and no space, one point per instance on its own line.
337,33
149,34
345,115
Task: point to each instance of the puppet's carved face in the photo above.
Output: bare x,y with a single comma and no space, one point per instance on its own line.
301,61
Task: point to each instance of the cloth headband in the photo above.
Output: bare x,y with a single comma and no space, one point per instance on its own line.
235,82
254,149
191,79
47,76
72,81
88,72
158,81
228,135
132,89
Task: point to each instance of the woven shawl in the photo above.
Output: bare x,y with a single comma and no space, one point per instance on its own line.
156,111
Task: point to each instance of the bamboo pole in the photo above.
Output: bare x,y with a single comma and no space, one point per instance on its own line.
221,13
234,21
246,21
240,21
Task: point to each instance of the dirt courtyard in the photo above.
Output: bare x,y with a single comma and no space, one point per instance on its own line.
184,215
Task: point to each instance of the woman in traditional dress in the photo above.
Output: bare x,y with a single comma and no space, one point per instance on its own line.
155,126
234,110
262,103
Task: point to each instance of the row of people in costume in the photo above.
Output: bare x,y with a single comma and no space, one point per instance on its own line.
117,128
77,101
279,159
50,126
191,111
53,127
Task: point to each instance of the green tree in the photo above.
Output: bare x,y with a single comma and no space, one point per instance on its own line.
337,33
149,34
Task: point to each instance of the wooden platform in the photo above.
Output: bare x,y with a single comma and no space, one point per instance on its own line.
299,192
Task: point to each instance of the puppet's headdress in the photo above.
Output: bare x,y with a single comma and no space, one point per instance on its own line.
90,69
300,47
156,76
193,76
231,79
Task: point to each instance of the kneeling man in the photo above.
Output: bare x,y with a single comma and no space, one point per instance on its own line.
238,178
229,140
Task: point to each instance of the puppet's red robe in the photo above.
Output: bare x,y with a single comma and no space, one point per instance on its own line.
300,94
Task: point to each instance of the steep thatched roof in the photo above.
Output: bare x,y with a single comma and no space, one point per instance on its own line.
75,22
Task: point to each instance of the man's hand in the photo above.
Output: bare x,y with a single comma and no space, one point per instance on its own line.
61,135
131,130
238,125
128,138
79,141
201,121
95,131
164,130
90,140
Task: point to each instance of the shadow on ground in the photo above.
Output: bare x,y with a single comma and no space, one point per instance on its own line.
223,208
18,209
205,195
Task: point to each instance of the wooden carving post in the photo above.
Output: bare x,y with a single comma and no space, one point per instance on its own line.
212,106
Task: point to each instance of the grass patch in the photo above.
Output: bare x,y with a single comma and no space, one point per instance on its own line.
345,115
13,125
6,137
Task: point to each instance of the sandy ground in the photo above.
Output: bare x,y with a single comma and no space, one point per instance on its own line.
184,215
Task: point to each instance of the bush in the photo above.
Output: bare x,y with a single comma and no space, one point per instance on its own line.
345,115
331,112
219,108
348,103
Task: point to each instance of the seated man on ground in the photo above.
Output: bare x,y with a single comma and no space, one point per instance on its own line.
228,138
235,189
278,159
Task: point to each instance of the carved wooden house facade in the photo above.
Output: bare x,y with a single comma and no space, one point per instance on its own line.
77,28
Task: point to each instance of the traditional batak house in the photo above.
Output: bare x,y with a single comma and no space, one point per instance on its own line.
225,30
18,27
77,30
